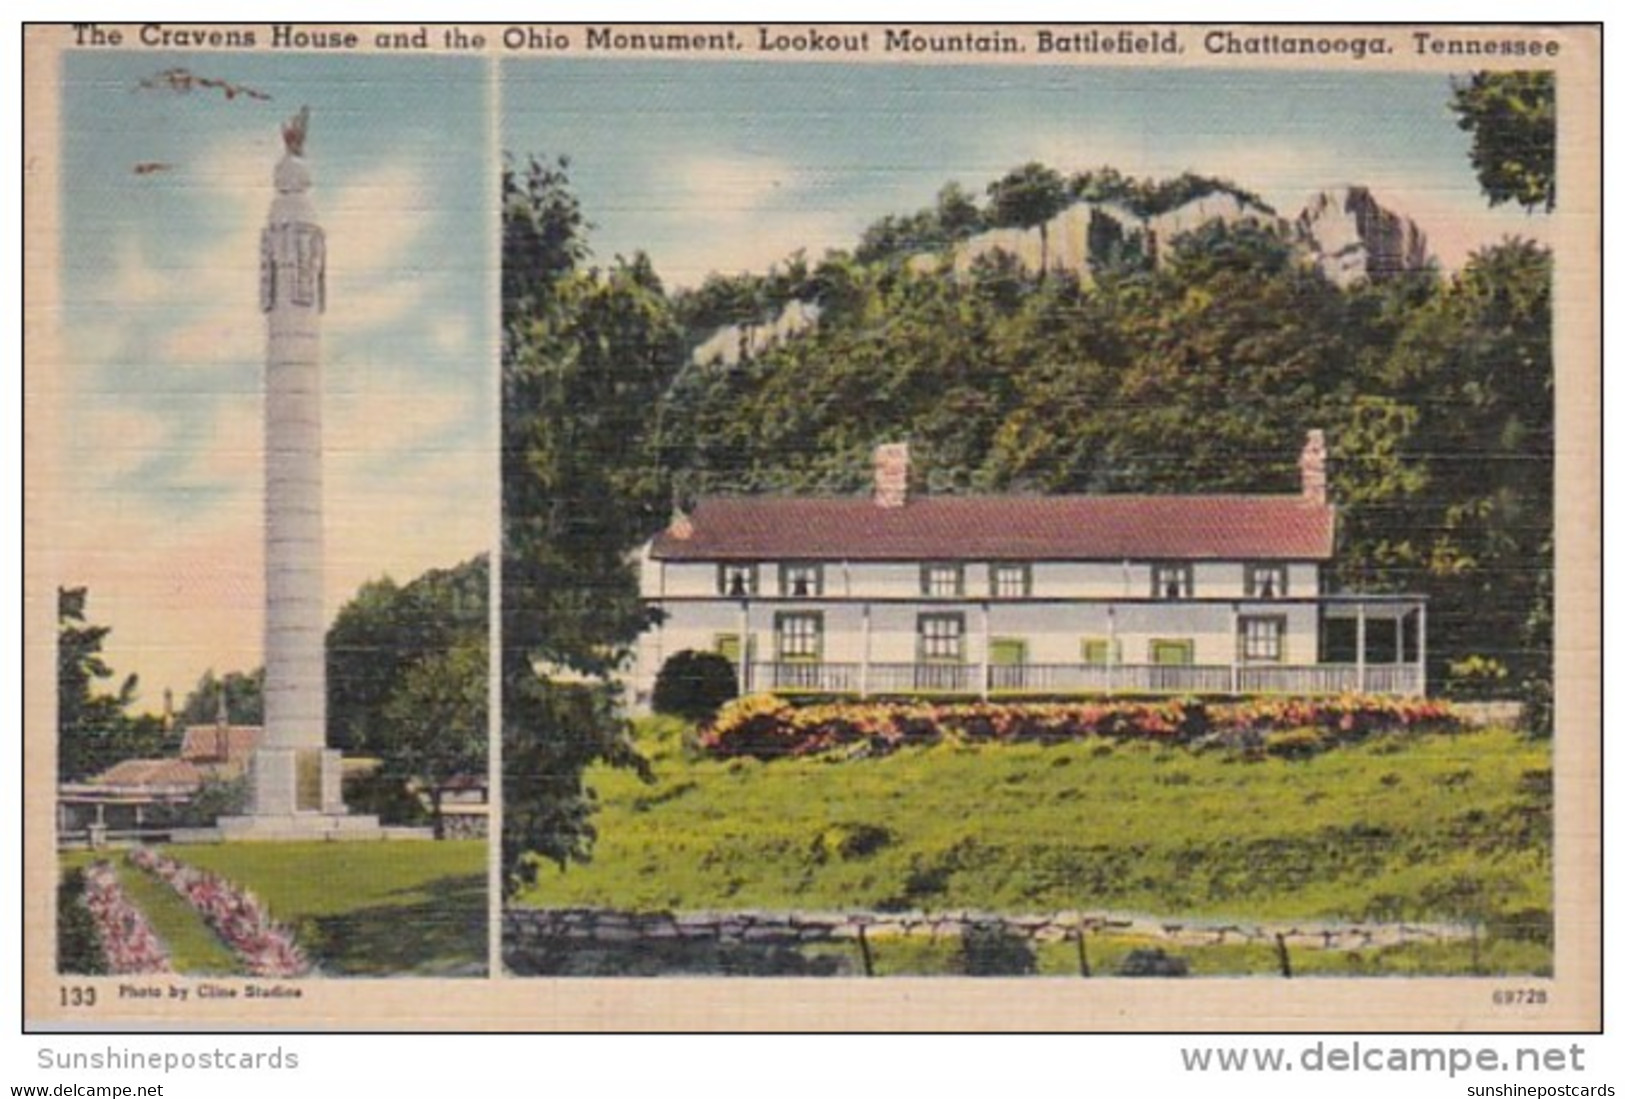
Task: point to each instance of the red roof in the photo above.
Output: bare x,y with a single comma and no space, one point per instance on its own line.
206,744
1039,528
168,774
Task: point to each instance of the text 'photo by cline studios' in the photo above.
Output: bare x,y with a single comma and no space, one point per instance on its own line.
814,527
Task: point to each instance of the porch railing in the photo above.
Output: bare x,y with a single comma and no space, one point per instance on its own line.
798,676
897,678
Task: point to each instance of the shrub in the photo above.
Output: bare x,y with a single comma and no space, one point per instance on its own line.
840,842
1153,962
767,727
993,950
387,797
1294,743
694,685
78,948
216,798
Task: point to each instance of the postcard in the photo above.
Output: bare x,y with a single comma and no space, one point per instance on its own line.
813,527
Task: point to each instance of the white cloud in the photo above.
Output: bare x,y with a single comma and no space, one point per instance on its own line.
124,439
373,222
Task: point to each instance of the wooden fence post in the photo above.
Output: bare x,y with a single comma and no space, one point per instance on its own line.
863,948
1280,950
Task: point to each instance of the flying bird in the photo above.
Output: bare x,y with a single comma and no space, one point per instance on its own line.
185,81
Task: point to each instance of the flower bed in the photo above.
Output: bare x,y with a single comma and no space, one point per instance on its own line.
128,942
264,946
768,727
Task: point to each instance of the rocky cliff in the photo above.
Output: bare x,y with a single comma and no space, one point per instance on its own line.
1352,237
1343,230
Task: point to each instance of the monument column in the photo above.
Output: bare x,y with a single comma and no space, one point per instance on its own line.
295,777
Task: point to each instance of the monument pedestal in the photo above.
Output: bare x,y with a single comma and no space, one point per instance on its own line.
285,781
300,826
298,795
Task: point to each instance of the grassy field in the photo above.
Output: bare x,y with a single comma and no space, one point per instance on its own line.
358,909
1105,953
1442,827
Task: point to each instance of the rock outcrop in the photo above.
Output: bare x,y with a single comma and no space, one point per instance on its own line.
1078,236
1351,236
734,342
1344,231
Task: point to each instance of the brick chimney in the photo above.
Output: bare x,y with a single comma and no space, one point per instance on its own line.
681,527
1312,463
891,475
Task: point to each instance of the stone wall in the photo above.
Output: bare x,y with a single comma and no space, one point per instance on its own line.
527,928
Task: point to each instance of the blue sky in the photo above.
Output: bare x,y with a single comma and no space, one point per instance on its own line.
730,165
706,165
161,395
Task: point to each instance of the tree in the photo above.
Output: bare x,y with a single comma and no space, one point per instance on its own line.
406,672
1455,496
1513,119
93,730
386,629
1029,196
244,694
586,355
437,723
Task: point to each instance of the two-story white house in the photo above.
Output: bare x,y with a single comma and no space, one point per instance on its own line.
984,596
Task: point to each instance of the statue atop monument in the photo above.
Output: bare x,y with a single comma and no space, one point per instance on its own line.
293,132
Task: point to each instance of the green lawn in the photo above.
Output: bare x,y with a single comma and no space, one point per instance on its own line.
1441,827
358,909
368,909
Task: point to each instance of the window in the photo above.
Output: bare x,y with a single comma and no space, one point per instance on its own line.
801,580
800,634
1101,650
736,581
1011,581
942,580
1166,652
1261,639
1007,652
942,638
1170,581
1266,581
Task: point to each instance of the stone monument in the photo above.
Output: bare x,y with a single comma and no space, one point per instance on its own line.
294,777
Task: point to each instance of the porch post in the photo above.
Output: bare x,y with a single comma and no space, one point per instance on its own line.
987,651
863,663
1422,649
744,647
1111,646
1359,647
1235,647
